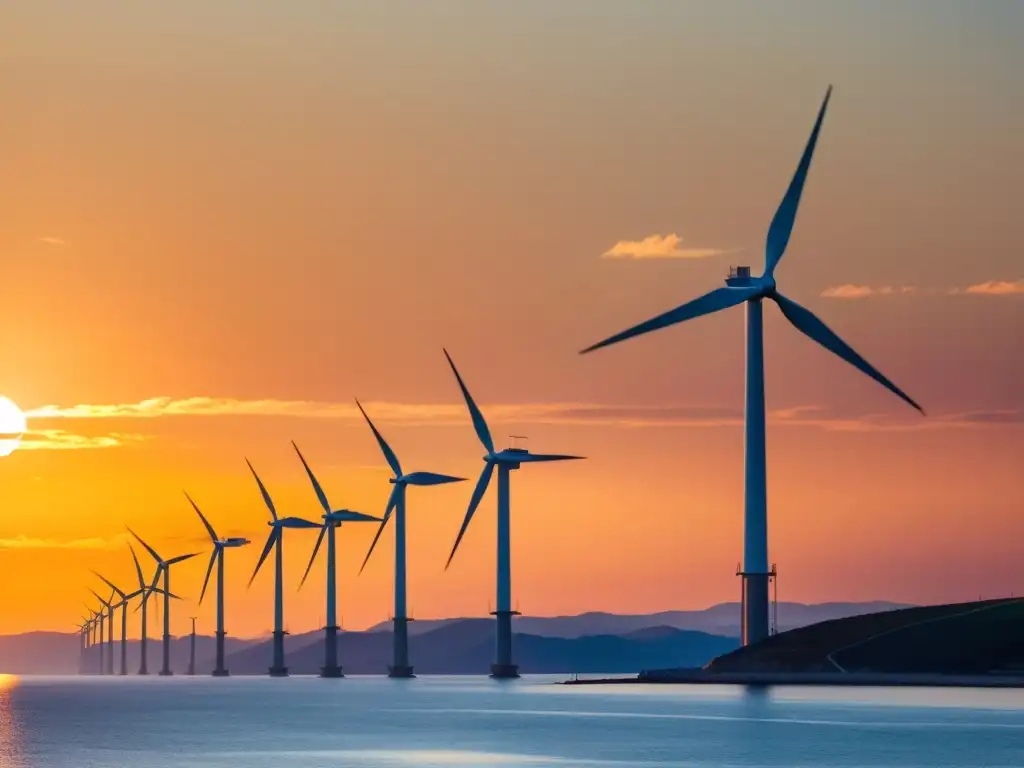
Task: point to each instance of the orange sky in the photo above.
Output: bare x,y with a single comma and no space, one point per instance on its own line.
256,214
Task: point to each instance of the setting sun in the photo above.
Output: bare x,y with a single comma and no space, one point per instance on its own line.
12,425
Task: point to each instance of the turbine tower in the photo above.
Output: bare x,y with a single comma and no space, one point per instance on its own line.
506,461
332,519
743,288
83,643
192,648
276,541
400,666
107,653
164,567
145,590
217,556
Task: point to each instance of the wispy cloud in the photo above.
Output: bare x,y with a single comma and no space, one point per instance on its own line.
55,241
658,247
27,542
851,291
997,288
990,288
59,440
454,414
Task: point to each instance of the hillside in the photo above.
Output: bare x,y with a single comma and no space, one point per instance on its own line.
956,639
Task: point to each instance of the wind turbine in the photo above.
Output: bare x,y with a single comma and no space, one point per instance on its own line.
98,636
276,541
84,630
164,566
506,461
396,502
332,519
122,603
107,652
144,591
217,556
743,288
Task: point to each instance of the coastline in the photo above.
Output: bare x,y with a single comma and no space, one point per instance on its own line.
703,677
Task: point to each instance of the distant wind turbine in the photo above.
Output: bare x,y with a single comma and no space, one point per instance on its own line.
332,519
164,566
276,541
217,556
97,617
396,502
83,643
144,591
744,288
506,461
122,603
107,652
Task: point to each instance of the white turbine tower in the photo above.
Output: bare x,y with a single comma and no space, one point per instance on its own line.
275,541
332,519
506,461
217,556
400,666
164,567
744,288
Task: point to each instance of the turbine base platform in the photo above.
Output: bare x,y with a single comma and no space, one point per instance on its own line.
166,673
331,672
400,672
220,673
278,671
504,671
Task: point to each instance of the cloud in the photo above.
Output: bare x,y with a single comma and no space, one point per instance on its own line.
990,288
851,291
997,288
25,542
454,414
59,440
658,247
55,241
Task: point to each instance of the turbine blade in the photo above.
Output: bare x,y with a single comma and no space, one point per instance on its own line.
782,224
109,583
209,570
718,299
392,500
349,516
149,549
529,458
209,528
138,568
271,540
181,558
474,502
312,478
297,522
389,455
478,418
319,541
263,490
104,602
806,322
430,478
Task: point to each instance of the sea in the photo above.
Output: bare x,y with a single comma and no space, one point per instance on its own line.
253,722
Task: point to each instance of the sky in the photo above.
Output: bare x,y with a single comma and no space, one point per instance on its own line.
221,222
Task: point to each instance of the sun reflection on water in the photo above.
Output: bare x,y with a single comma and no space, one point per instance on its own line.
10,730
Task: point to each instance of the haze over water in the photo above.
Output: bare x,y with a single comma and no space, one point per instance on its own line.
366,722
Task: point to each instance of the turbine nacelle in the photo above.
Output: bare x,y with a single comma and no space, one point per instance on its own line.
740,277
348,516
235,541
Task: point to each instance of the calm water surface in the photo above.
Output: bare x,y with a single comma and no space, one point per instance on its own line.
369,722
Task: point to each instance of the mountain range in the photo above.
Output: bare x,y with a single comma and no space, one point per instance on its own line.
587,643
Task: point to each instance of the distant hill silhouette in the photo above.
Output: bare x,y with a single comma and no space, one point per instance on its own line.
467,647
721,619
443,646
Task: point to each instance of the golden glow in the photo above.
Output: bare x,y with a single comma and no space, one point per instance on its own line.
7,682
12,425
